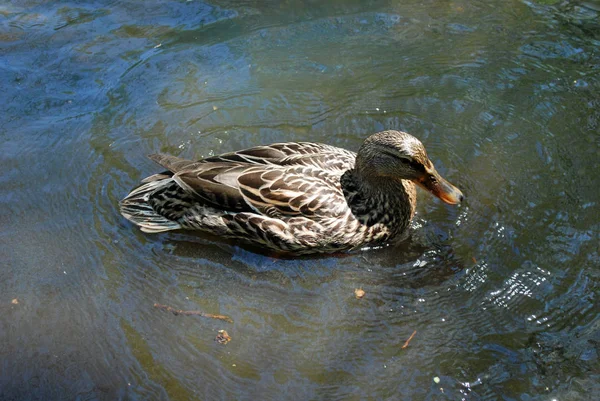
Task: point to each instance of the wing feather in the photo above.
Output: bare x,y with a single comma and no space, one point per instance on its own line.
216,184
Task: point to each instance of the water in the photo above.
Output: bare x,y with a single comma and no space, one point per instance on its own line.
502,291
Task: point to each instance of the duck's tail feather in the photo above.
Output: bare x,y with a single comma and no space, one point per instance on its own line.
136,208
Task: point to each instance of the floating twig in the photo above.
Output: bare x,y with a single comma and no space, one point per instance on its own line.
192,312
409,338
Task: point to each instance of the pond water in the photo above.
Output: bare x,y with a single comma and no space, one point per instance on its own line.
502,290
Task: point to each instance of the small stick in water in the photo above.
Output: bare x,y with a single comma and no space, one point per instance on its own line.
192,312
409,338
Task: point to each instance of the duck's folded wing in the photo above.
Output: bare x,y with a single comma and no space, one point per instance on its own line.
269,190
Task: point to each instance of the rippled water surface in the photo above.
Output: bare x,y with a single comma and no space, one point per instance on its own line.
502,291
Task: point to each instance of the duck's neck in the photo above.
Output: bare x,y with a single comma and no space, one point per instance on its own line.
380,200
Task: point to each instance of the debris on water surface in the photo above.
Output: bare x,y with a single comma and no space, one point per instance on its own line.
223,337
436,380
192,312
409,338
359,293
15,301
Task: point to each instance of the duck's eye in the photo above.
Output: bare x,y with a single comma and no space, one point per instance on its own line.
414,164
409,161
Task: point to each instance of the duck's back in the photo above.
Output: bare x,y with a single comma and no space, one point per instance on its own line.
318,155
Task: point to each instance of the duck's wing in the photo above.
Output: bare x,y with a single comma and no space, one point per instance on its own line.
275,191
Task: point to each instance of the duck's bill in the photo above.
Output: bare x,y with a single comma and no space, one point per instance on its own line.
434,183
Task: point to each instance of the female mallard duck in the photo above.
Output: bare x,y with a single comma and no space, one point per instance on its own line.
293,197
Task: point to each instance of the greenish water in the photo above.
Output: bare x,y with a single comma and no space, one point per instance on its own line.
502,290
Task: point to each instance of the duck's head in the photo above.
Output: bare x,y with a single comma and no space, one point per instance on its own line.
397,155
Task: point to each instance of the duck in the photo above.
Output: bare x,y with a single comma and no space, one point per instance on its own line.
294,197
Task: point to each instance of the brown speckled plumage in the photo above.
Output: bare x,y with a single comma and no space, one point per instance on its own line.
289,197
